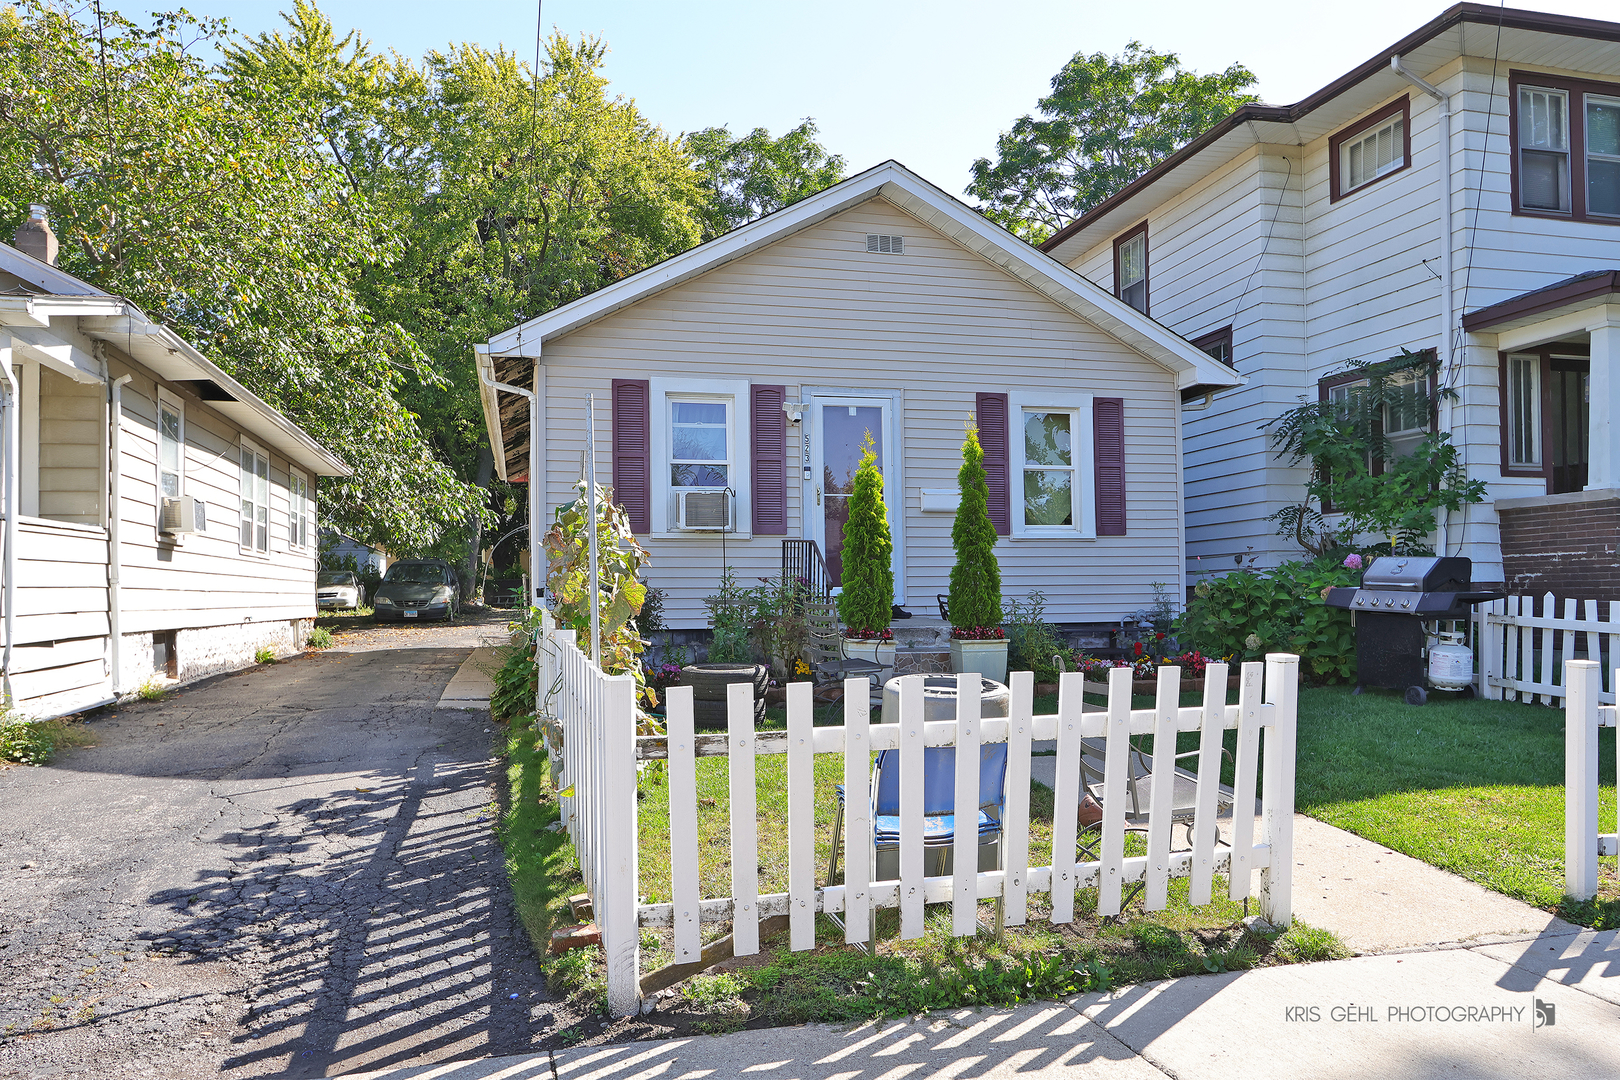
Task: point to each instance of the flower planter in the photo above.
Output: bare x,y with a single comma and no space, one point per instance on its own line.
878,652
988,658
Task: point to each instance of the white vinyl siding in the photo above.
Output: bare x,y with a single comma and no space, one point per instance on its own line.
932,329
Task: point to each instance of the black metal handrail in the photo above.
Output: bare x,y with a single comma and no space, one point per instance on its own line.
802,561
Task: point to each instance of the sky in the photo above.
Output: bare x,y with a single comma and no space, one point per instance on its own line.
930,83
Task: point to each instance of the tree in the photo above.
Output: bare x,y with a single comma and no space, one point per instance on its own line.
1107,121
975,598
866,605
751,176
207,202
1343,440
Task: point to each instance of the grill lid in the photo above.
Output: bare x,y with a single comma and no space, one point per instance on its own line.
1418,574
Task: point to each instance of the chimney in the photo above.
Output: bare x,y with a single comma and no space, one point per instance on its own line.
34,236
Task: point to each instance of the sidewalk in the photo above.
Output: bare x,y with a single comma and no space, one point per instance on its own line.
1451,986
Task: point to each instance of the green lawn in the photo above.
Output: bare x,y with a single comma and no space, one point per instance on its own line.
1474,787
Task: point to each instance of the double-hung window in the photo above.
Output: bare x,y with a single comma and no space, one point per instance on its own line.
1405,418
255,536
1052,470
171,445
1566,147
1523,378
299,510
699,443
1131,268
1371,149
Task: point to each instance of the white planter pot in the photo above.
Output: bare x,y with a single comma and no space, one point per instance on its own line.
878,652
988,658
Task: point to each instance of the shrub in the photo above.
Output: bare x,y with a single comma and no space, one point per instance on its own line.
866,605
1249,613
27,742
975,600
1031,640
731,619
513,691
319,638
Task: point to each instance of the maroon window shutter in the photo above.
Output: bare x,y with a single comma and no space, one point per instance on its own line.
1108,439
768,446
990,412
632,451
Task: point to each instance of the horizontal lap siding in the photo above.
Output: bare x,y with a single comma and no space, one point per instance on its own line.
937,323
205,579
71,468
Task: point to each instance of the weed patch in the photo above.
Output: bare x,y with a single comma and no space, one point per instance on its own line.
319,638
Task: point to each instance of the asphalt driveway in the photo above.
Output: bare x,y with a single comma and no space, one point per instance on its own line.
287,871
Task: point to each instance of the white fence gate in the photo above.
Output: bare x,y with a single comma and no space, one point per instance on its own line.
1523,655
1583,843
601,750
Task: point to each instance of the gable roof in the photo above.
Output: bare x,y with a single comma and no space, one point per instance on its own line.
33,292
1195,370
1510,34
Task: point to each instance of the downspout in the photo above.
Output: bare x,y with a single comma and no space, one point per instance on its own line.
1447,294
8,564
115,553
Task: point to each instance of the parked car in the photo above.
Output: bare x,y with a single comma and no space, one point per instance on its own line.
418,589
339,589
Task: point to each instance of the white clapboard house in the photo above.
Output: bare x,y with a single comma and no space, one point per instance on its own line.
1459,192
159,519
735,383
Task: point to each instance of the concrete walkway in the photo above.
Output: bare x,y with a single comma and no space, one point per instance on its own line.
1451,983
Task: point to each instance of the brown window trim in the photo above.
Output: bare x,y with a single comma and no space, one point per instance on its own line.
1324,385
1577,89
1223,336
1147,266
1545,352
1401,108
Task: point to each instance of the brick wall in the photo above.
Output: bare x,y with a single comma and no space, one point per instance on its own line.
1569,550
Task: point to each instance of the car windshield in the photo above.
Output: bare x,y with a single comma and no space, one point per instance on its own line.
335,577
415,574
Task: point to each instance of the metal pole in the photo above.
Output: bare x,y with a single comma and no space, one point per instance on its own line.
590,483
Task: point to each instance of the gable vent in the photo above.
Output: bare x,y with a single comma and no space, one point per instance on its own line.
883,244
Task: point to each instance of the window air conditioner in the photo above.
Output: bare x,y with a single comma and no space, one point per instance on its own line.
183,515
704,510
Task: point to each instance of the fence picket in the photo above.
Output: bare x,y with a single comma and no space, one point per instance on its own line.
1116,765
858,910
1015,826
801,767
1277,795
744,828
965,809
1066,794
1243,774
1594,640
1581,781
683,834
1211,727
1167,709
621,932
911,807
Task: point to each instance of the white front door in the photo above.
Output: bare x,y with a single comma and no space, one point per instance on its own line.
839,426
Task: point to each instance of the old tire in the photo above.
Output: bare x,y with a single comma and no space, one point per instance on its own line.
713,714
709,681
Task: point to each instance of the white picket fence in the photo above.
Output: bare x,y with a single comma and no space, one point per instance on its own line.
1523,655
1583,716
601,751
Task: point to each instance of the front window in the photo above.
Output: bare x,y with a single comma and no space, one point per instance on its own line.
1053,466
255,534
1130,269
700,443
1566,148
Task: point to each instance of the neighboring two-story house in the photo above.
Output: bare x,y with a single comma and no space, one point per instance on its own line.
1459,192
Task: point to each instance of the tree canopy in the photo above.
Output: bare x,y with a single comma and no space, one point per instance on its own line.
1107,121
752,175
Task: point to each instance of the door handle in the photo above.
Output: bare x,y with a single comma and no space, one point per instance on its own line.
818,494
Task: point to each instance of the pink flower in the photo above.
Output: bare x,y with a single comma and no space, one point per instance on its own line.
1352,561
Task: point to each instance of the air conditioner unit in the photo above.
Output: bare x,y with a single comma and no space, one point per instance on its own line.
183,515
704,510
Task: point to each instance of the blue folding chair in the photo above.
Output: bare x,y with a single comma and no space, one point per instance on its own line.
939,815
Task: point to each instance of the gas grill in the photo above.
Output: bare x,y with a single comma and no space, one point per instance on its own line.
1399,594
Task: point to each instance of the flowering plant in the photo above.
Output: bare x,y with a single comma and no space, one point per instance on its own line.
801,671
1352,561
663,676
868,635
978,633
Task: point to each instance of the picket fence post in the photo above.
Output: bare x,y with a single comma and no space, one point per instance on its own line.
1581,779
1277,796
620,895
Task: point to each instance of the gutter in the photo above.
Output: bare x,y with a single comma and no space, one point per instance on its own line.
8,564
1448,316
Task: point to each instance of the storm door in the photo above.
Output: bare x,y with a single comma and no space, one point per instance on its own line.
840,427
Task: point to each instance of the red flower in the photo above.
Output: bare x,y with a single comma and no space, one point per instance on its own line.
1138,648
1159,636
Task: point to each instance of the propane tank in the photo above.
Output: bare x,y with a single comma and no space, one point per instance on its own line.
1451,663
